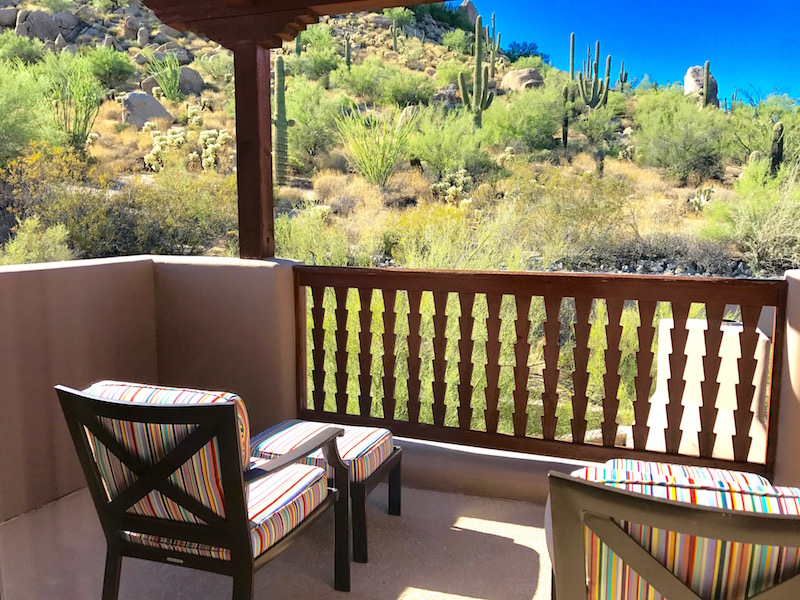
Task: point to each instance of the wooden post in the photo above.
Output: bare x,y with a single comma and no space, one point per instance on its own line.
254,151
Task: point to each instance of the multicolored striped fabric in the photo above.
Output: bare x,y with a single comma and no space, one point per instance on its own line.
199,476
713,569
277,504
363,449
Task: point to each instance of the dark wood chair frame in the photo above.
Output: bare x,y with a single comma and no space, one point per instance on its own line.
231,532
359,490
577,503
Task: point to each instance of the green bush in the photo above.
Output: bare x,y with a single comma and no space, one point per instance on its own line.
406,88
457,40
23,115
35,244
528,62
321,55
447,72
55,6
445,142
751,128
673,134
402,15
74,94
314,114
112,69
763,223
366,80
15,47
374,144
312,236
444,13
531,117
218,67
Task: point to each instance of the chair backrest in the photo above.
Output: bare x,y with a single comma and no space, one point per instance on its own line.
613,543
162,469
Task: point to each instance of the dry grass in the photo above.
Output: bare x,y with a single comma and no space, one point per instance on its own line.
408,187
120,147
346,194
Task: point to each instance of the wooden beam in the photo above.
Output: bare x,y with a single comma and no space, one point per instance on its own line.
254,151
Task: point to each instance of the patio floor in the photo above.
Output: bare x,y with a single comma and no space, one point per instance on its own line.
444,546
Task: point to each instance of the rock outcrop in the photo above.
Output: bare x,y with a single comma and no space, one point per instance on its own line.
138,108
468,9
693,85
522,79
46,27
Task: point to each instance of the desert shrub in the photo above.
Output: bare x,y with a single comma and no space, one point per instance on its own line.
528,62
447,72
598,126
445,142
321,55
312,236
34,243
405,88
22,114
518,50
374,144
444,13
314,114
763,223
402,15
365,80
218,66
457,40
111,68
531,117
344,193
751,128
167,73
672,133
74,93
179,213
14,47
54,6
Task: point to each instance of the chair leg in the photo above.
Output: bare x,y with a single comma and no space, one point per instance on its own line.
552,585
112,574
359,491
395,489
341,533
243,583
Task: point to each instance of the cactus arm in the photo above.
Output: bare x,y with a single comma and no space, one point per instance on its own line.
606,85
462,86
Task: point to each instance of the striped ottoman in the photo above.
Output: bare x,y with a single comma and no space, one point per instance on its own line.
369,453
713,569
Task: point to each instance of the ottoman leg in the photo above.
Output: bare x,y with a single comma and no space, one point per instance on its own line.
359,499
395,489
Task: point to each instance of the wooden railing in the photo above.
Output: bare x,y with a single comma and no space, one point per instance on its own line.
475,357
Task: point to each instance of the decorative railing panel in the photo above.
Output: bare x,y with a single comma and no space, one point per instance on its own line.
574,365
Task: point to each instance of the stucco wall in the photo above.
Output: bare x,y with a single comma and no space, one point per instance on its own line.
787,462
69,323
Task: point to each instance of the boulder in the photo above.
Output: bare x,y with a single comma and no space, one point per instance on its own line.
37,24
143,36
138,108
60,42
110,42
446,95
130,26
191,82
693,83
170,32
69,25
379,20
522,79
85,13
8,17
468,9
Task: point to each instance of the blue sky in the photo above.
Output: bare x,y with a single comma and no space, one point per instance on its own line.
748,43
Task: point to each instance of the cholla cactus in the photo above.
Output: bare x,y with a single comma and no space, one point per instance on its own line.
158,93
701,198
212,143
149,127
176,137
193,113
453,187
154,160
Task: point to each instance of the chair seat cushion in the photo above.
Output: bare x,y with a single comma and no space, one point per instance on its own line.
363,449
276,505
713,569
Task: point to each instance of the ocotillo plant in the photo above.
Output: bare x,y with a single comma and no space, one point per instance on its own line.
493,42
298,44
776,153
347,52
281,123
395,29
706,84
480,99
623,77
594,92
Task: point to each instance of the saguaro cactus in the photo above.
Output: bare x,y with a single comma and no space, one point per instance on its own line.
594,92
493,42
623,77
569,93
298,43
706,84
776,153
347,49
395,29
480,99
281,123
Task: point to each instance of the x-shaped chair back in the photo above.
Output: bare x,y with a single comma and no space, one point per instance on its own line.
578,505
172,471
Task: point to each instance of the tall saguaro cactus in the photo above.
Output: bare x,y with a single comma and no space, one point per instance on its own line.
569,93
281,123
347,50
706,84
623,77
480,99
298,44
395,29
594,92
493,41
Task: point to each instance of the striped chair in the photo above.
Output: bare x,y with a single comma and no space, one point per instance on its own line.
634,529
172,480
369,453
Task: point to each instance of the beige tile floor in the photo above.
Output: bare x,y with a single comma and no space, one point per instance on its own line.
445,546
